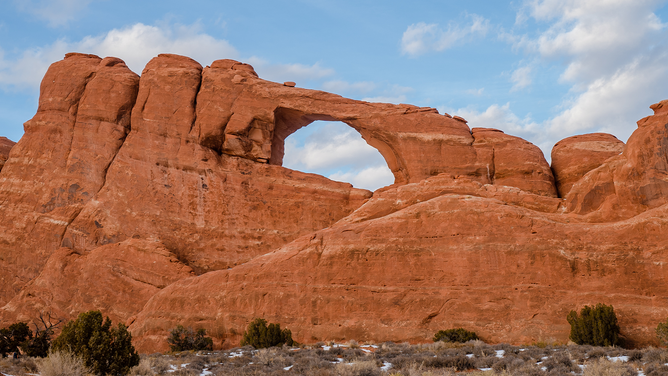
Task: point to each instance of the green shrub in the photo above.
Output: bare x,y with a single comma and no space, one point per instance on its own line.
183,339
455,335
662,333
596,326
259,335
37,346
105,350
13,336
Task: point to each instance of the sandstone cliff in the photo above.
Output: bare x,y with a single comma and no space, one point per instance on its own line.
5,146
161,200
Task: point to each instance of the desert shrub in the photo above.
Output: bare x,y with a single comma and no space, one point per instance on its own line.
455,335
594,326
359,368
656,370
144,368
105,350
13,336
62,364
662,333
604,367
655,355
635,356
37,346
459,362
184,339
509,364
259,335
596,353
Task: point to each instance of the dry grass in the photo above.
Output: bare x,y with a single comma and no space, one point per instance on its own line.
62,364
355,359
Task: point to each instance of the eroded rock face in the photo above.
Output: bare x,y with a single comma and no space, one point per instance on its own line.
60,162
167,191
116,278
5,146
511,161
573,157
632,182
509,273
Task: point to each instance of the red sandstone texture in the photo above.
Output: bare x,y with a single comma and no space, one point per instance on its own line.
574,157
161,200
5,146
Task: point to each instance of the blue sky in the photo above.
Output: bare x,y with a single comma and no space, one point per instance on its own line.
539,69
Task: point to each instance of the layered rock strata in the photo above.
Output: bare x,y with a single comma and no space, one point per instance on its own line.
166,194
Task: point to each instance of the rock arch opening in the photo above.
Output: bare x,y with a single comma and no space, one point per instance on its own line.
337,151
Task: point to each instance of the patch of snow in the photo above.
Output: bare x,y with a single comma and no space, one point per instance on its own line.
485,369
236,354
205,372
641,373
470,355
326,348
288,368
543,368
386,366
622,358
366,350
500,353
522,349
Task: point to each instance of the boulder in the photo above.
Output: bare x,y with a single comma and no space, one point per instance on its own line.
511,161
574,157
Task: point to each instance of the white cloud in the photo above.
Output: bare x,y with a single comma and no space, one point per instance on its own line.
334,149
339,87
288,72
521,78
420,38
55,12
370,178
476,92
394,94
596,37
386,99
136,45
615,54
614,103
335,144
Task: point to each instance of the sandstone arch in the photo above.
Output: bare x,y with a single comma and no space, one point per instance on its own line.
242,115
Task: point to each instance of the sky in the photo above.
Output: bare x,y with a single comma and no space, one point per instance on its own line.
542,70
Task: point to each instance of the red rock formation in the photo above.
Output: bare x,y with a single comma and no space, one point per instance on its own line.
507,272
510,161
137,183
61,160
5,146
632,182
573,157
116,278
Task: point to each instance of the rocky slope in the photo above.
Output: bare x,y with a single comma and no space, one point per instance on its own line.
161,200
